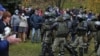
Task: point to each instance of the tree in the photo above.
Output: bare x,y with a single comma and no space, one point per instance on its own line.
93,5
59,3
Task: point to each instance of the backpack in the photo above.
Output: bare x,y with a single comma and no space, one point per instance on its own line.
61,29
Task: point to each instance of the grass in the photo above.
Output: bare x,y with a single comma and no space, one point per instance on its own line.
25,49
34,49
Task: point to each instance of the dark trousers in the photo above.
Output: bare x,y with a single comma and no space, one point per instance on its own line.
46,49
28,32
73,37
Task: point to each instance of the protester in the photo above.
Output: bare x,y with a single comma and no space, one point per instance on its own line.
36,21
4,44
23,25
28,14
15,22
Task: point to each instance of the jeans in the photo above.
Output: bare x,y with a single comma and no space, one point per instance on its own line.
36,35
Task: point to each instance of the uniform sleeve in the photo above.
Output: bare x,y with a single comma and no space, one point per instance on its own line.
54,26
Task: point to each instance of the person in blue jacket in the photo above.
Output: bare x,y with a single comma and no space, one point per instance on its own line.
36,22
4,44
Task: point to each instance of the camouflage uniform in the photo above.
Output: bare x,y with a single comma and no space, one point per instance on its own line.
81,37
98,38
61,39
47,30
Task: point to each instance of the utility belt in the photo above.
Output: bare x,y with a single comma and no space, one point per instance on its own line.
81,33
61,35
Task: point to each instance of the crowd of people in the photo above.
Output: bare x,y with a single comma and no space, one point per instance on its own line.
54,27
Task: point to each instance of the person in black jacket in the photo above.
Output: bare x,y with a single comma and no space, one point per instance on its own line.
4,44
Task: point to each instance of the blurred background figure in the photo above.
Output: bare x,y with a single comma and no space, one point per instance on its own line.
15,20
4,44
23,27
36,22
1,11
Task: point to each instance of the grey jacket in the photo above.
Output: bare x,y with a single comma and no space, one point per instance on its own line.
15,20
